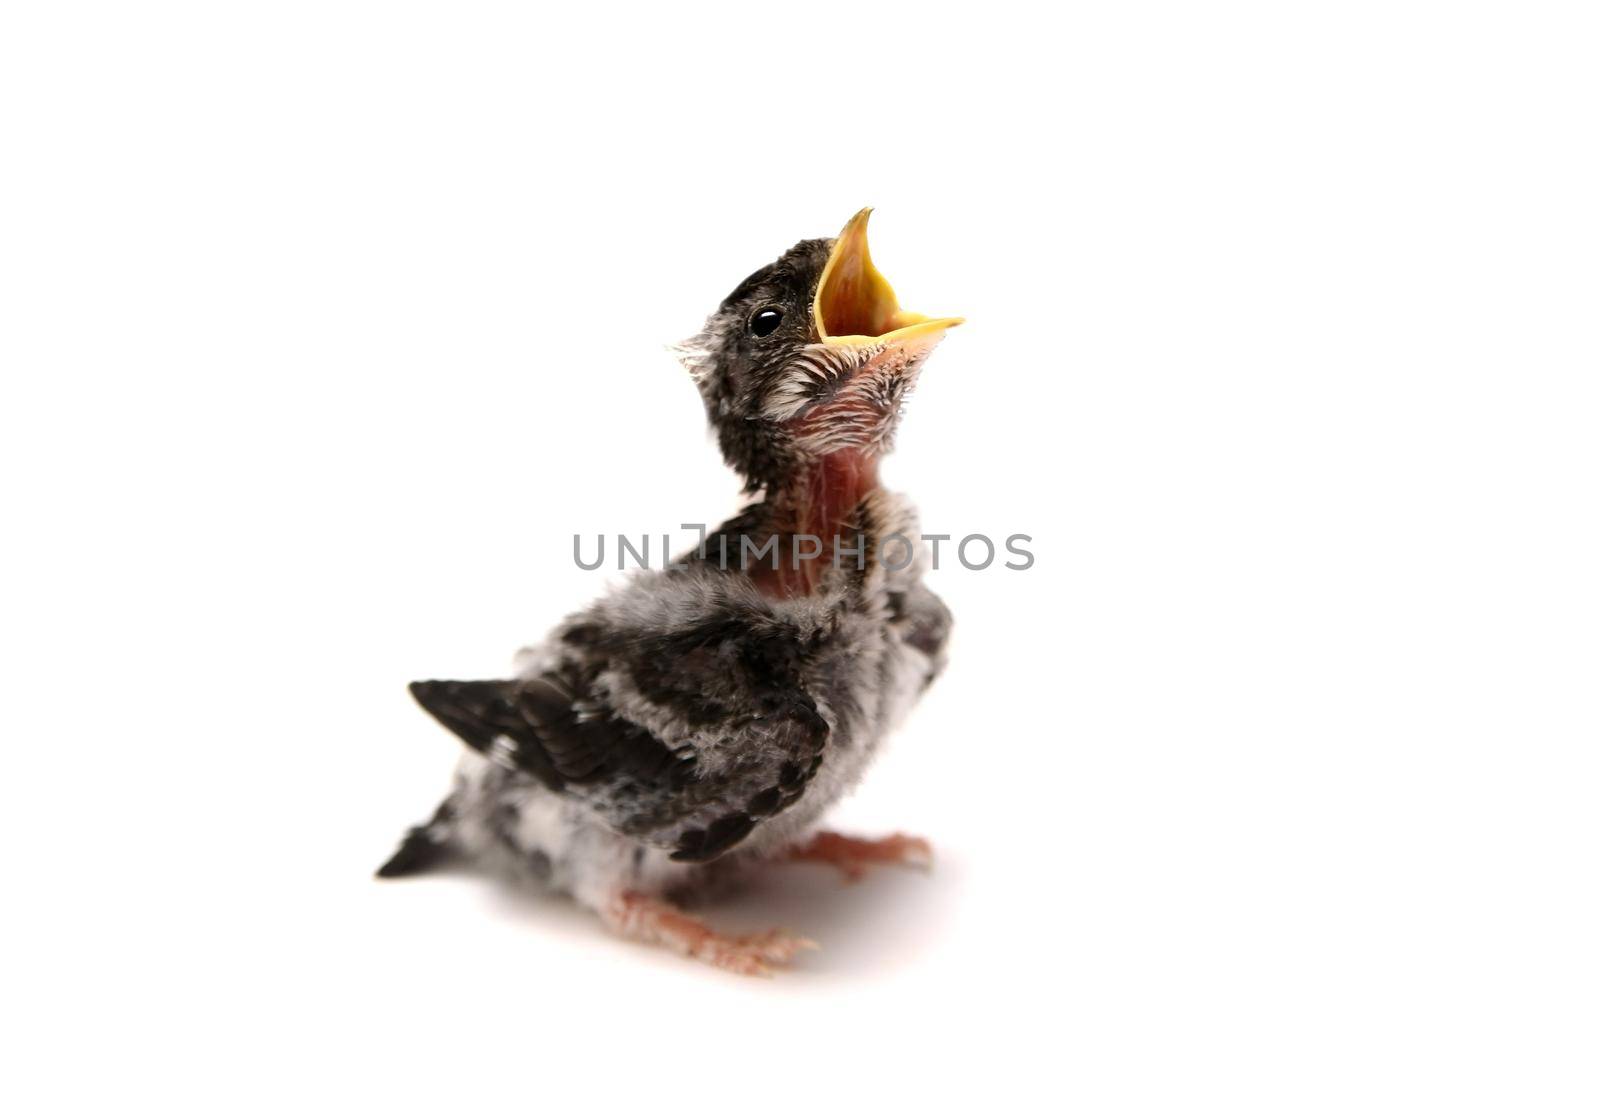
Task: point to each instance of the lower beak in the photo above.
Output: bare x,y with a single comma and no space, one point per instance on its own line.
855,304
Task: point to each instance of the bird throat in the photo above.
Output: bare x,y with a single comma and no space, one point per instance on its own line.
822,500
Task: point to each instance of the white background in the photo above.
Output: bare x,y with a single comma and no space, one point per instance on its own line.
325,325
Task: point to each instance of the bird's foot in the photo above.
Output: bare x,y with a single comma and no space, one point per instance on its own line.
852,856
651,919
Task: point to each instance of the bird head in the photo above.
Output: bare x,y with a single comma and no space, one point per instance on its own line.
809,360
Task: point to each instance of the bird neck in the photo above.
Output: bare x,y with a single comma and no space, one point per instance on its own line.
820,499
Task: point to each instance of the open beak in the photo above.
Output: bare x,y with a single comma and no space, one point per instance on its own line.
855,305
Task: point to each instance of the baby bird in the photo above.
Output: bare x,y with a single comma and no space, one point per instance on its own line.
701,718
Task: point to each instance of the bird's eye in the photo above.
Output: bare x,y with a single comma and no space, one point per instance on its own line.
765,321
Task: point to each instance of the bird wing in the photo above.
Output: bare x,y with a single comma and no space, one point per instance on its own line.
737,766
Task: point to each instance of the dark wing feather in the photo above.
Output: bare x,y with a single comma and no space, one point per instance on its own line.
634,781
533,725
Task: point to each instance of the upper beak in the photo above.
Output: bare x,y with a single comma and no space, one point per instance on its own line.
855,304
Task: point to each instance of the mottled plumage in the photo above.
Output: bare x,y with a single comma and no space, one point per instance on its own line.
705,715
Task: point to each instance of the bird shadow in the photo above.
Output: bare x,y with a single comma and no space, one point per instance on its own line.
863,929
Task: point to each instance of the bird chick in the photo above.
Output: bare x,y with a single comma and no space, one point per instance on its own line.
701,718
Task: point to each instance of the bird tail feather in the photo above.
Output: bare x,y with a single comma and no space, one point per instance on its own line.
425,846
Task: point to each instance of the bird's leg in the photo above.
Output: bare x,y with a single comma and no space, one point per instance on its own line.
851,856
651,919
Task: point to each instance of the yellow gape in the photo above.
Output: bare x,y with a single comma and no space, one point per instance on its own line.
855,304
